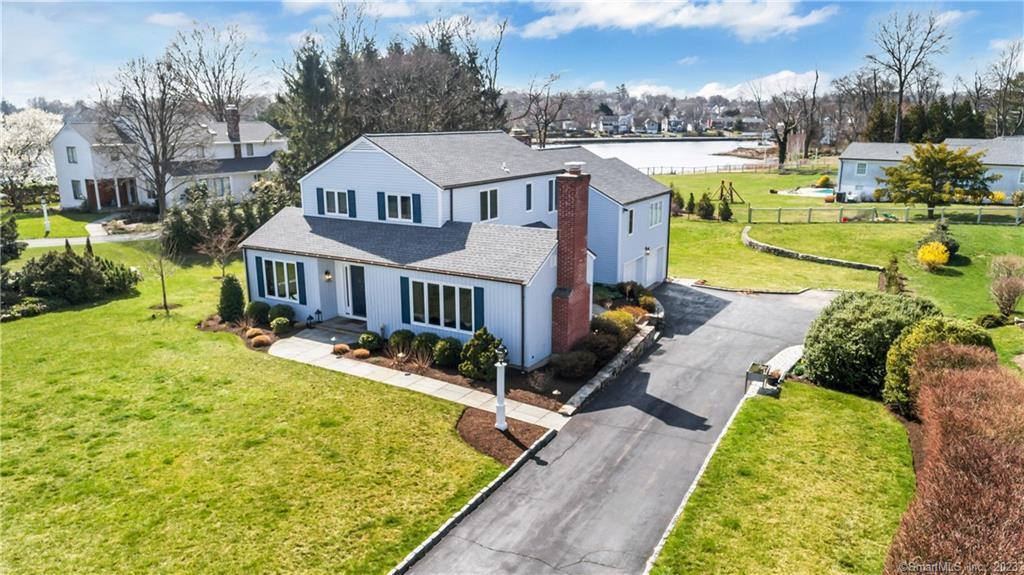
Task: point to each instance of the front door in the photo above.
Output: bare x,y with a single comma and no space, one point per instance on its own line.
357,287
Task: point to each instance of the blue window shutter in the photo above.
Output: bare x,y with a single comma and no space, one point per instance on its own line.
478,308
529,197
299,269
381,215
406,316
417,212
261,289
351,203
551,195
320,201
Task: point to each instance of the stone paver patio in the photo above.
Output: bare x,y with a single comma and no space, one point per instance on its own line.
313,346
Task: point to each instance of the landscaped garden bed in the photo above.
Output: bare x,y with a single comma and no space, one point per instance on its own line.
476,427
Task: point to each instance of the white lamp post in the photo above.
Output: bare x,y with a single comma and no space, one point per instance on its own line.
46,219
499,408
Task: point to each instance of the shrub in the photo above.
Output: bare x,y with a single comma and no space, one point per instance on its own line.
75,278
897,391
479,356
1006,266
603,293
232,300
630,289
637,312
992,320
823,182
281,310
705,209
253,332
402,338
425,342
846,345
603,345
932,256
280,325
616,323
573,365
361,353
10,247
940,233
261,341
1017,198
691,206
724,211
1007,292
370,340
648,303
341,349
447,352
935,357
258,312
998,197
891,280
28,307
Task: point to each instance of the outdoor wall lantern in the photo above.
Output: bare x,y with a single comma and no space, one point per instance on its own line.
647,250
319,316
328,276
309,321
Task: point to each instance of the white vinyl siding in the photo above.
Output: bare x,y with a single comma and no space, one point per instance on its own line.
335,202
442,305
281,280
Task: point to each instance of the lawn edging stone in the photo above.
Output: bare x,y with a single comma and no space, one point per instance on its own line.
626,357
788,253
423,548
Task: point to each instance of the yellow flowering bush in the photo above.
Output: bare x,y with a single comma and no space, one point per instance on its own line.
998,197
933,255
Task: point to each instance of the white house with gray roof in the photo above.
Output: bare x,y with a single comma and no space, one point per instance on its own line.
862,163
448,232
90,171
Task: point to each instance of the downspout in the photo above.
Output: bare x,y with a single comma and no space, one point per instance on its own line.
668,237
451,204
522,327
248,284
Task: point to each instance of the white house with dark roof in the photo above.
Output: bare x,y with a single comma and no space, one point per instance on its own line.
862,163
90,172
448,232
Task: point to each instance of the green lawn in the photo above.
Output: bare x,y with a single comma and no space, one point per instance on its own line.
813,482
753,187
1009,341
62,224
134,443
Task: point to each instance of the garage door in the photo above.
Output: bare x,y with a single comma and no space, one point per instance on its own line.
633,270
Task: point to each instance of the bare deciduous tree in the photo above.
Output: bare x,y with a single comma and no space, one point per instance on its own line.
544,107
1004,78
808,99
906,41
781,113
218,244
215,66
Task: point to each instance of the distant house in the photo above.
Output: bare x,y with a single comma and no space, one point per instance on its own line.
90,169
617,124
652,126
861,164
453,231
570,126
673,124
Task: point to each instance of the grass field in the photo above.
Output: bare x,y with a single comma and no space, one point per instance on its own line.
62,224
134,443
753,187
812,482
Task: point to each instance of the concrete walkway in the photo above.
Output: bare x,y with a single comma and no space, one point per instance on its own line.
313,346
80,241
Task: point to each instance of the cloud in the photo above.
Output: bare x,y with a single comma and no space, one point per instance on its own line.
390,9
483,27
768,85
1000,44
169,19
950,18
598,85
749,20
688,61
301,6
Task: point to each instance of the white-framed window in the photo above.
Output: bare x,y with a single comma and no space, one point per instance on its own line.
201,152
442,305
400,207
249,150
488,205
862,168
529,197
630,217
76,189
1020,180
552,196
218,187
657,213
72,155
336,202
281,280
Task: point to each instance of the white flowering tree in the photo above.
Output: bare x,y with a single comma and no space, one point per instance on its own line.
25,156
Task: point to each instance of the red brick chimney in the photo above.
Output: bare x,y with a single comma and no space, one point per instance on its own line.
571,300
232,120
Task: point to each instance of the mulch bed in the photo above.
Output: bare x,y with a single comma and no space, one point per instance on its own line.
476,427
214,324
915,436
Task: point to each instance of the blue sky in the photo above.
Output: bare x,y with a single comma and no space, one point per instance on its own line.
62,50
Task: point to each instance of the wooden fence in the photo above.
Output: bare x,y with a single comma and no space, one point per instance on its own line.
993,215
760,167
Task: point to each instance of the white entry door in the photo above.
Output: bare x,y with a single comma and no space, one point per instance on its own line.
650,269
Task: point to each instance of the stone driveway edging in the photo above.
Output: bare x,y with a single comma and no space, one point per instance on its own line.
693,283
626,357
788,253
421,550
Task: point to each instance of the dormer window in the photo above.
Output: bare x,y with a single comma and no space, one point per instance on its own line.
249,151
399,207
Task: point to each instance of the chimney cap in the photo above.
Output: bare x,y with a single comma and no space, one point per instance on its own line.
575,167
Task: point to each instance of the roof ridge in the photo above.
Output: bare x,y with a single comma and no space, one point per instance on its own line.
444,133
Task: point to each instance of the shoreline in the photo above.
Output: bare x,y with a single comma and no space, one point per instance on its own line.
654,139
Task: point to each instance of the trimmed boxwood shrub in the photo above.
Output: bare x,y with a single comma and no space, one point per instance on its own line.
232,300
361,353
425,341
617,323
648,303
992,320
447,352
258,312
401,339
573,365
370,340
602,345
846,345
898,392
281,310
261,341
74,277
478,356
280,325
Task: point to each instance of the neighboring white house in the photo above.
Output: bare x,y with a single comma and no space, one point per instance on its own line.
617,124
861,164
90,171
448,232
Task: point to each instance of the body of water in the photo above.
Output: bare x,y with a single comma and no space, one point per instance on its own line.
675,154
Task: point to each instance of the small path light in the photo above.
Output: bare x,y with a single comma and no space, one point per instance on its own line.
309,321
499,408
319,316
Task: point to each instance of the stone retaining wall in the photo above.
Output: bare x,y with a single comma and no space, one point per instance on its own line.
787,253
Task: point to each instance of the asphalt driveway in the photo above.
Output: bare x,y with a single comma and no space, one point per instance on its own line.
599,496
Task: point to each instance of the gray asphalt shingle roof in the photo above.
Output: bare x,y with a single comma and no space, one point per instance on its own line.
489,251
248,131
610,176
223,166
1006,150
454,159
